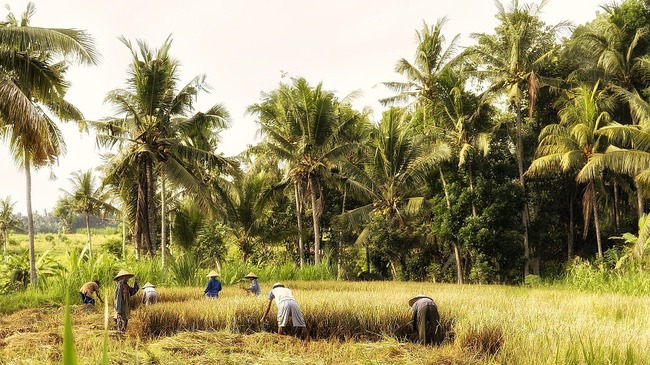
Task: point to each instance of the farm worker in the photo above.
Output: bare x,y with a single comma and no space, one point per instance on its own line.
122,298
425,320
149,294
87,291
287,309
214,285
254,287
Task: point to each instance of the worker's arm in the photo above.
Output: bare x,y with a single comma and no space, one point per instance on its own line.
99,297
266,312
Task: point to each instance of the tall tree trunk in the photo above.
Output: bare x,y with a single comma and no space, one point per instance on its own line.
639,200
163,225
522,182
368,257
571,230
459,269
616,207
4,241
90,244
471,187
30,220
151,211
301,247
316,218
124,236
338,246
596,222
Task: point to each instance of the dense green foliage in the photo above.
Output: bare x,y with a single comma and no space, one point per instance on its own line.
512,158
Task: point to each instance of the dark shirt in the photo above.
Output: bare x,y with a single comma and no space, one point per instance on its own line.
123,293
213,289
416,308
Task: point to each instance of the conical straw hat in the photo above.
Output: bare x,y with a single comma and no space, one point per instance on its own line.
278,285
123,273
212,273
416,298
148,285
250,276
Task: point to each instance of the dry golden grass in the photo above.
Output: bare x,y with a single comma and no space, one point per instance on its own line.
350,323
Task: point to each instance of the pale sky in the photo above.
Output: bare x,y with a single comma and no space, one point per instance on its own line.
243,46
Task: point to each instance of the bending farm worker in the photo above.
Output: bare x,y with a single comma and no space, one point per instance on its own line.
214,285
122,298
288,310
425,320
87,291
149,294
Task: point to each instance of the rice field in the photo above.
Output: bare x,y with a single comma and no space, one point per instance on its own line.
349,323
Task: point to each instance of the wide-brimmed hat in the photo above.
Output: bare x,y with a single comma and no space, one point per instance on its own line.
276,285
416,298
123,273
250,276
148,285
212,273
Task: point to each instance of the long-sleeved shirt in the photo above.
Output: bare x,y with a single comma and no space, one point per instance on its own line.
122,297
255,287
416,308
213,289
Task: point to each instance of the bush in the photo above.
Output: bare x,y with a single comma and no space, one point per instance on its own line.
532,281
114,246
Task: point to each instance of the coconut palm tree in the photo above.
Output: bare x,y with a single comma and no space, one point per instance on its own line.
429,93
155,130
7,222
304,126
88,199
431,58
393,179
628,154
246,206
569,145
34,61
609,54
510,61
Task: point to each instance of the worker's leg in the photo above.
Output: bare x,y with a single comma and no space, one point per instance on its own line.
422,325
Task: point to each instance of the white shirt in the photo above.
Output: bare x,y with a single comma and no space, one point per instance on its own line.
280,294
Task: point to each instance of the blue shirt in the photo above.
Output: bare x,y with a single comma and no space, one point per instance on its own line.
213,289
255,287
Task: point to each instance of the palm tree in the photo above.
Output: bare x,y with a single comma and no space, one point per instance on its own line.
34,61
155,131
569,145
246,206
629,155
428,91
7,222
609,54
304,126
87,199
431,58
510,60
393,179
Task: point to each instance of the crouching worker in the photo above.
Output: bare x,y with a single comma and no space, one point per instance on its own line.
288,310
87,291
122,298
425,320
149,294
